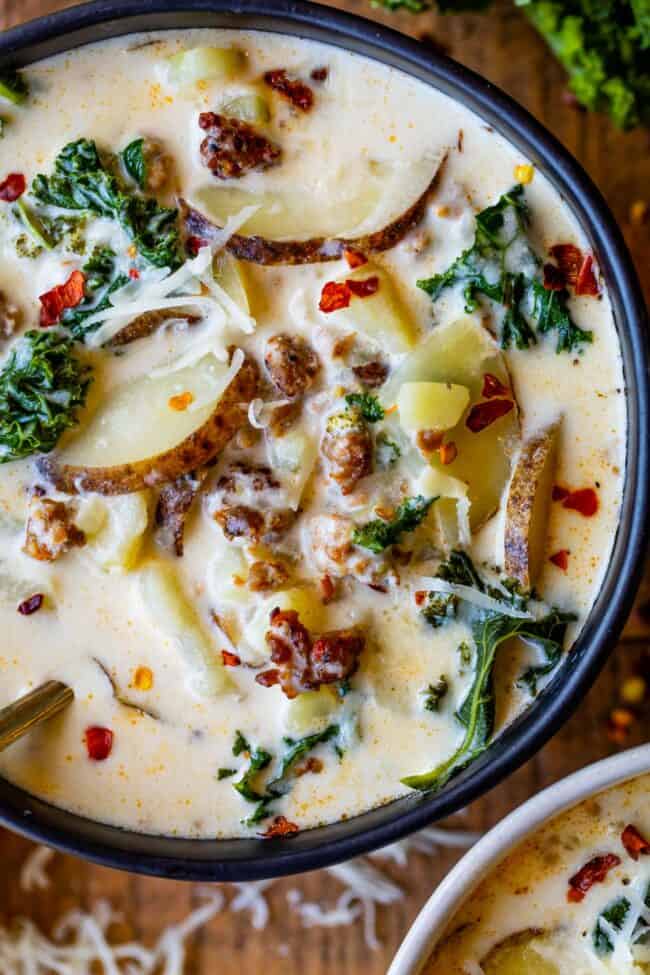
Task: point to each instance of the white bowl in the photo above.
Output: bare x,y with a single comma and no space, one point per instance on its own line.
457,886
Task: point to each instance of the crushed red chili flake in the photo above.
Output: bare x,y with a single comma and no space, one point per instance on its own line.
569,259
280,827
448,452
194,244
268,678
66,295
365,288
230,659
31,605
334,296
355,258
586,283
12,186
99,743
482,415
584,501
593,872
561,559
492,386
320,74
297,92
420,596
134,274
554,279
635,844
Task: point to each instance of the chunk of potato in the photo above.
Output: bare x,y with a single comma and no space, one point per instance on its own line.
114,528
431,406
517,955
294,457
313,710
529,497
170,611
249,107
230,274
205,64
462,352
226,568
382,316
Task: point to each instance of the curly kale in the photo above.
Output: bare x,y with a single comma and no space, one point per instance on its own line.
82,182
440,608
101,280
368,405
41,386
378,534
13,86
435,694
501,266
134,162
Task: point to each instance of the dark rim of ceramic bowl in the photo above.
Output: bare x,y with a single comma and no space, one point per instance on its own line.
247,859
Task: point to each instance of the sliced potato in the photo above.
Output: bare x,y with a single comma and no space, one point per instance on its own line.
431,406
136,439
229,273
313,710
294,457
462,352
382,316
529,497
205,64
517,955
250,107
171,612
114,529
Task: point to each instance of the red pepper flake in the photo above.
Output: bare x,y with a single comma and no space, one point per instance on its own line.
268,678
297,92
320,74
584,501
428,441
31,605
99,743
482,415
12,186
420,597
355,258
334,296
635,844
66,295
586,283
448,452
561,559
327,589
134,274
230,659
554,279
280,827
559,493
365,288
569,259
593,872
194,244
493,387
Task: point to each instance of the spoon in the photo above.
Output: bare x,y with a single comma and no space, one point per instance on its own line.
41,704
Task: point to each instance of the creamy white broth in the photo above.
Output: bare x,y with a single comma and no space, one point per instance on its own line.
376,135
527,895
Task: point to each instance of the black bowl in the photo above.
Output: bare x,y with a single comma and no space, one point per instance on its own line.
247,859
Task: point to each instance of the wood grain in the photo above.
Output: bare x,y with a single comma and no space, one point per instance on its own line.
504,48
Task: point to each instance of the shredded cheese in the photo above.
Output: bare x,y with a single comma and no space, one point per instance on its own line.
480,599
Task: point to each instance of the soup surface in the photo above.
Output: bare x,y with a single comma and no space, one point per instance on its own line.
313,431
575,898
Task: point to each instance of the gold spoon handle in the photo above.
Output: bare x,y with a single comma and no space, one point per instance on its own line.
39,705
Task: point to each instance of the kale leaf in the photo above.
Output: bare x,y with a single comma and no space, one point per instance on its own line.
81,182
41,386
297,749
101,281
240,744
13,86
48,232
134,162
378,534
492,268
435,694
440,608
225,773
460,570
615,915
368,405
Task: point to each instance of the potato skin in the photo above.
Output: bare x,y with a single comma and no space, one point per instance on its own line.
193,453
527,507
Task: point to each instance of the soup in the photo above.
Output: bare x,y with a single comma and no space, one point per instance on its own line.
313,436
574,898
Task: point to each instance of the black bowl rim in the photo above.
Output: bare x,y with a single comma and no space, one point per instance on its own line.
250,859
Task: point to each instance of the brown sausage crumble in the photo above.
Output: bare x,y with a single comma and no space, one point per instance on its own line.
232,148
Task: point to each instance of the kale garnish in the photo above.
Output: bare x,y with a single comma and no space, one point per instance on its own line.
134,162
387,452
240,744
440,608
459,569
41,386
378,534
82,182
48,232
13,86
614,915
487,269
297,749
368,405
226,773
101,280
435,694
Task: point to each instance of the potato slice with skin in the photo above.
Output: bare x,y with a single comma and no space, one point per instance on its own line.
171,612
193,437
516,955
312,710
431,406
382,316
527,507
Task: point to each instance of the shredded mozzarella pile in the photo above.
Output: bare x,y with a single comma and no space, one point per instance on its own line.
80,941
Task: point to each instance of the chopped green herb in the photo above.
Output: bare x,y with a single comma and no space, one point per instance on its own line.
101,280
240,744
465,654
134,162
226,773
41,386
459,569
49,232
614,915
387,452
368,405
501,266
378,534
13,86
297,750
259,759
82,182
435,694
26,247
440,608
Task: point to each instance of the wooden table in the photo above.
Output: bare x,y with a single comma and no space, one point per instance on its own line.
505,49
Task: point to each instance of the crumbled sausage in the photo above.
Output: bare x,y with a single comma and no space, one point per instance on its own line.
9,317
158,165
297,92
283,418
242,478
239,521
331,542
267,576
277,524
292,364
372,374
50,531
347,446
301,665
233,148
